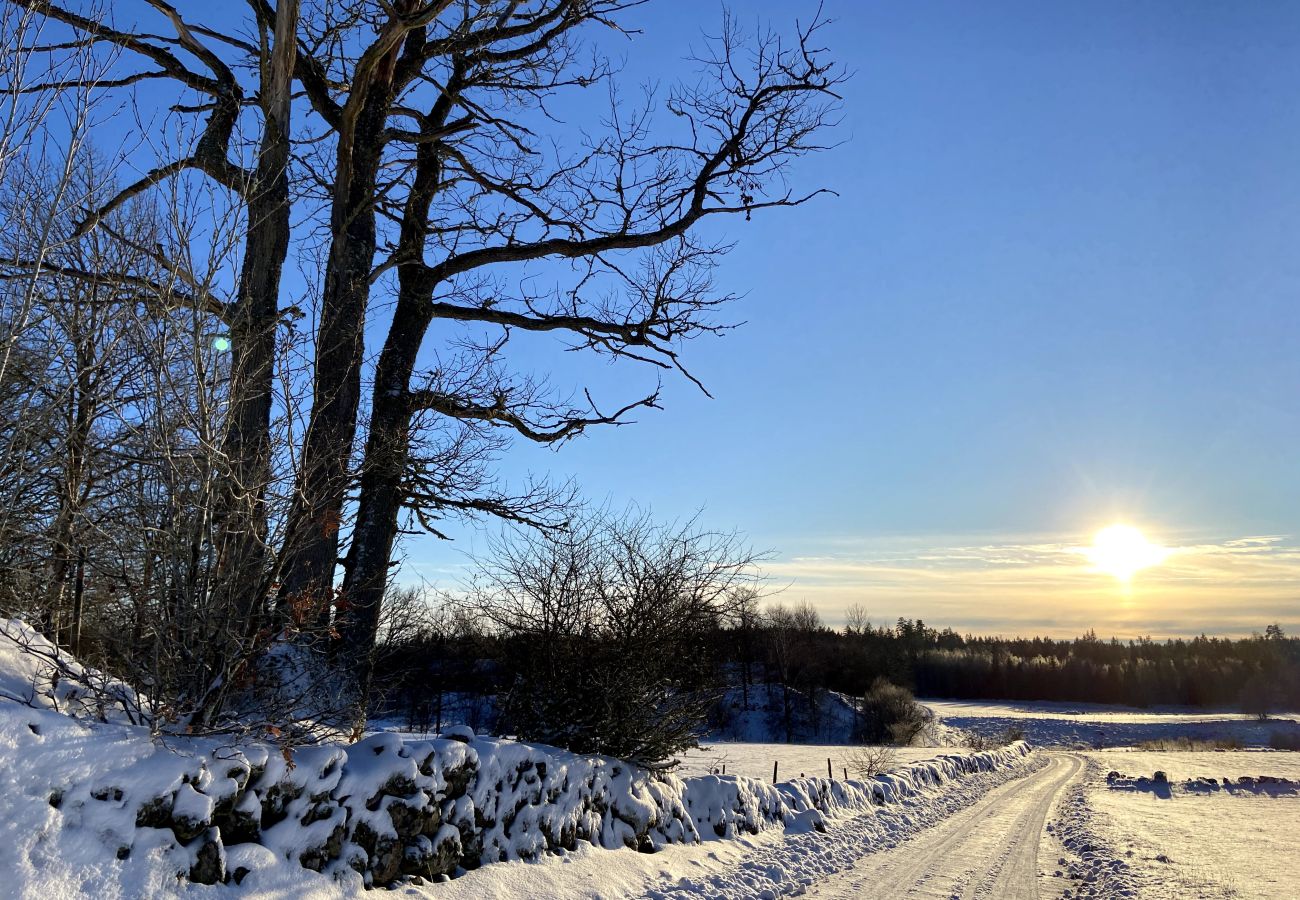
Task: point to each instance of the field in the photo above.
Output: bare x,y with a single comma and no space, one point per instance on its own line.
1189,842
755,759
1094,726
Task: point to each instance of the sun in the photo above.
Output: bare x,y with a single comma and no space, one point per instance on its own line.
1122,551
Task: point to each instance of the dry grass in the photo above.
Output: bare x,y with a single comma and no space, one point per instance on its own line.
1187,745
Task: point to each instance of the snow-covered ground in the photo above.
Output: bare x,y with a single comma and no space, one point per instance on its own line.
1089,726
97,807
989,850
755,760
1189,837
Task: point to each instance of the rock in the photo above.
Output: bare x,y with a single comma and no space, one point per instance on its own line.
386,860
210,863
410,817
242,822
190,814
1160,778
398,784
462,733
435,857
155,813
275,801
107,793
316,858
458,778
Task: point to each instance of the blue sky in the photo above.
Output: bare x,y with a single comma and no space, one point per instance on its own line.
1057,290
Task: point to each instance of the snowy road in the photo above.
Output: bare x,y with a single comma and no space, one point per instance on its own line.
988,850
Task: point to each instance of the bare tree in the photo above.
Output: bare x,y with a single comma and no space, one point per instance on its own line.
424,162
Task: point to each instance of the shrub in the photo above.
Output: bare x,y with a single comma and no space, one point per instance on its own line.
606,631
866,762
1187,744
890,714
1284,740
982,742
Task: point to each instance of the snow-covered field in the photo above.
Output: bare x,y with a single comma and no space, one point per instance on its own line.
1091,726
755,760
1186,836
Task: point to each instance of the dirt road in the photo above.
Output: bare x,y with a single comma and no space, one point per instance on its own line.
989,850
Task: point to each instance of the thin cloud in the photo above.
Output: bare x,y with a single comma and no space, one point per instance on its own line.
1233,585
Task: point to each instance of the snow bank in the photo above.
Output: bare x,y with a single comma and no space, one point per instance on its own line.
35,672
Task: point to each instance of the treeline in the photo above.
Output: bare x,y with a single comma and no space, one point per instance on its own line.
783,663
1256,673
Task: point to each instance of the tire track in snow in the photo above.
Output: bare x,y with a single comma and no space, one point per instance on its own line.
988,850
793,865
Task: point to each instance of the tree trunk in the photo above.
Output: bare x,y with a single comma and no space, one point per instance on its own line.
78,598
388,444
312,541
242,577
241,505
381,497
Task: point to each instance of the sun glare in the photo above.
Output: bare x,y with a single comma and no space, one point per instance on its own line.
1122,551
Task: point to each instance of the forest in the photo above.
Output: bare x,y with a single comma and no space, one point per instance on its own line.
447,661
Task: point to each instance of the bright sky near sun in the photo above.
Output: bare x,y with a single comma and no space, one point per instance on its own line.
1057,292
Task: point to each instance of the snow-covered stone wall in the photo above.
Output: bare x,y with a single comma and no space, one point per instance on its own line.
388,807
103,797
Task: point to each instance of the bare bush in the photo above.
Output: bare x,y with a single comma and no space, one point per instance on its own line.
607,628
871,760
981,742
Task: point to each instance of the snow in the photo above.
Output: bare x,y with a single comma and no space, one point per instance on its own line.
1188,838
1086,726
94,807
72,795
755,759
989,849
775,862
35,672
